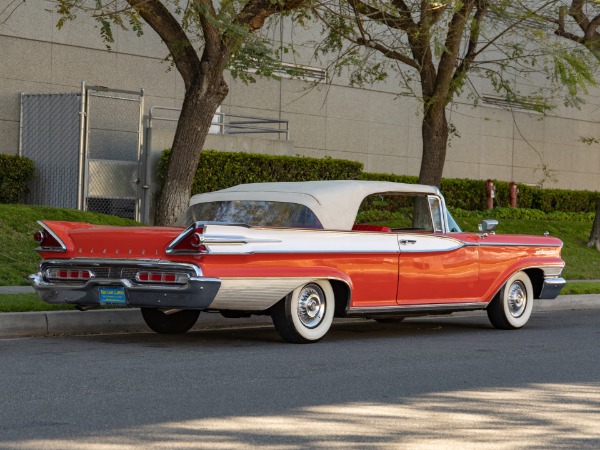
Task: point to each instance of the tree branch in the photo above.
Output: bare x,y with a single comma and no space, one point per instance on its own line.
392,54
255,12
576,12
398,23
210,31
166,26
471,53
452,45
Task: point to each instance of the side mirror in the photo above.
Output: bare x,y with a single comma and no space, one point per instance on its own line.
487,226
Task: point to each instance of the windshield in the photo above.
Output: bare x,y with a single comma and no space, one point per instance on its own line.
252,213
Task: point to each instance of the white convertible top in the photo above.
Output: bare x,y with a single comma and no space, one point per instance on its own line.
335,203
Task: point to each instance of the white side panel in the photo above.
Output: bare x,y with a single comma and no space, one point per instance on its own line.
220,239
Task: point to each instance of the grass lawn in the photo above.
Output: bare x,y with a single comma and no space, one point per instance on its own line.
27,303
581,288
31,302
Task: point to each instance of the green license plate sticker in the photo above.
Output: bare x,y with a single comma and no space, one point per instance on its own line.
112,296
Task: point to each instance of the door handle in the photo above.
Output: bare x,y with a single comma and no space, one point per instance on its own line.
407,242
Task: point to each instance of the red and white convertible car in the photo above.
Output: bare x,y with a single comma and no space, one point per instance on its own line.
302,253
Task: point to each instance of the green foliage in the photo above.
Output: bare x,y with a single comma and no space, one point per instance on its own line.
471,194
573,71
523,214
220,170
388,177
250,53
15,173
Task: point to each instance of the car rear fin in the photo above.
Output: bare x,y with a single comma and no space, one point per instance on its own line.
48,240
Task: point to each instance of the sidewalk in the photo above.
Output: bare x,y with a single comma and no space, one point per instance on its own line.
130,320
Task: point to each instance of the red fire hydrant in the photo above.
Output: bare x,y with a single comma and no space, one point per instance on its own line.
513,191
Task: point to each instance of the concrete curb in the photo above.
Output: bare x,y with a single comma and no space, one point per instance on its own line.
53,323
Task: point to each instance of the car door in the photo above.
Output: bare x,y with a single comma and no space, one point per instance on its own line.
436,267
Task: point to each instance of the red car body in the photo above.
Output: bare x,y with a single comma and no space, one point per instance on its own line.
302,274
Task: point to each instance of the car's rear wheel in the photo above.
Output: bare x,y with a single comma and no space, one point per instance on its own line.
306,314
174,323
511,307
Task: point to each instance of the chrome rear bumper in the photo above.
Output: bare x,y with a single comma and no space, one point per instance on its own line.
198,293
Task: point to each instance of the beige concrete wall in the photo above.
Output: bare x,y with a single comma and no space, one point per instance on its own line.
372,126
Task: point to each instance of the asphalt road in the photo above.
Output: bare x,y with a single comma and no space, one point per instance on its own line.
450,382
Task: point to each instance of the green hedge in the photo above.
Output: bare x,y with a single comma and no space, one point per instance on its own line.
15,173
220,170
471,194
458,192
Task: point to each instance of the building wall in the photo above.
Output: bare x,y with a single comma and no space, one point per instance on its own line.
372,126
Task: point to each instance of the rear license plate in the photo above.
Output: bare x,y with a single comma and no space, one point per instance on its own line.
112,296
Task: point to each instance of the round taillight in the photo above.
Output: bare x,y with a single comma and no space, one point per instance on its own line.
38,236
195,240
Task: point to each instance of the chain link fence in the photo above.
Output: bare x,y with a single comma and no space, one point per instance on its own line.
50,136
91,164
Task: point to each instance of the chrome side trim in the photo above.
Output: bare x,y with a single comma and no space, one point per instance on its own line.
236,240
255,294
63,247
498,244
429,308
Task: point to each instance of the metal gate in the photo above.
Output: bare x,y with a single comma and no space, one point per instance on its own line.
87,149
113,147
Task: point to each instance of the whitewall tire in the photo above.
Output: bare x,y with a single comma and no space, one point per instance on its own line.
306,314
511,307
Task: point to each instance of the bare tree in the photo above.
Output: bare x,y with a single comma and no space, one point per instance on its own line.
202,41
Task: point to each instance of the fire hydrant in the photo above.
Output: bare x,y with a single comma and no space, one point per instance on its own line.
491,194
513,192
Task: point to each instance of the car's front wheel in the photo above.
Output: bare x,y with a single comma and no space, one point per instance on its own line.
174,323
306,314
511,307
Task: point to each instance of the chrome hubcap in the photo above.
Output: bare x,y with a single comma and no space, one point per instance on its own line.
311,306
517,299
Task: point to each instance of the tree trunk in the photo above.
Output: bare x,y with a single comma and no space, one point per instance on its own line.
435,140
200,105
595,234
